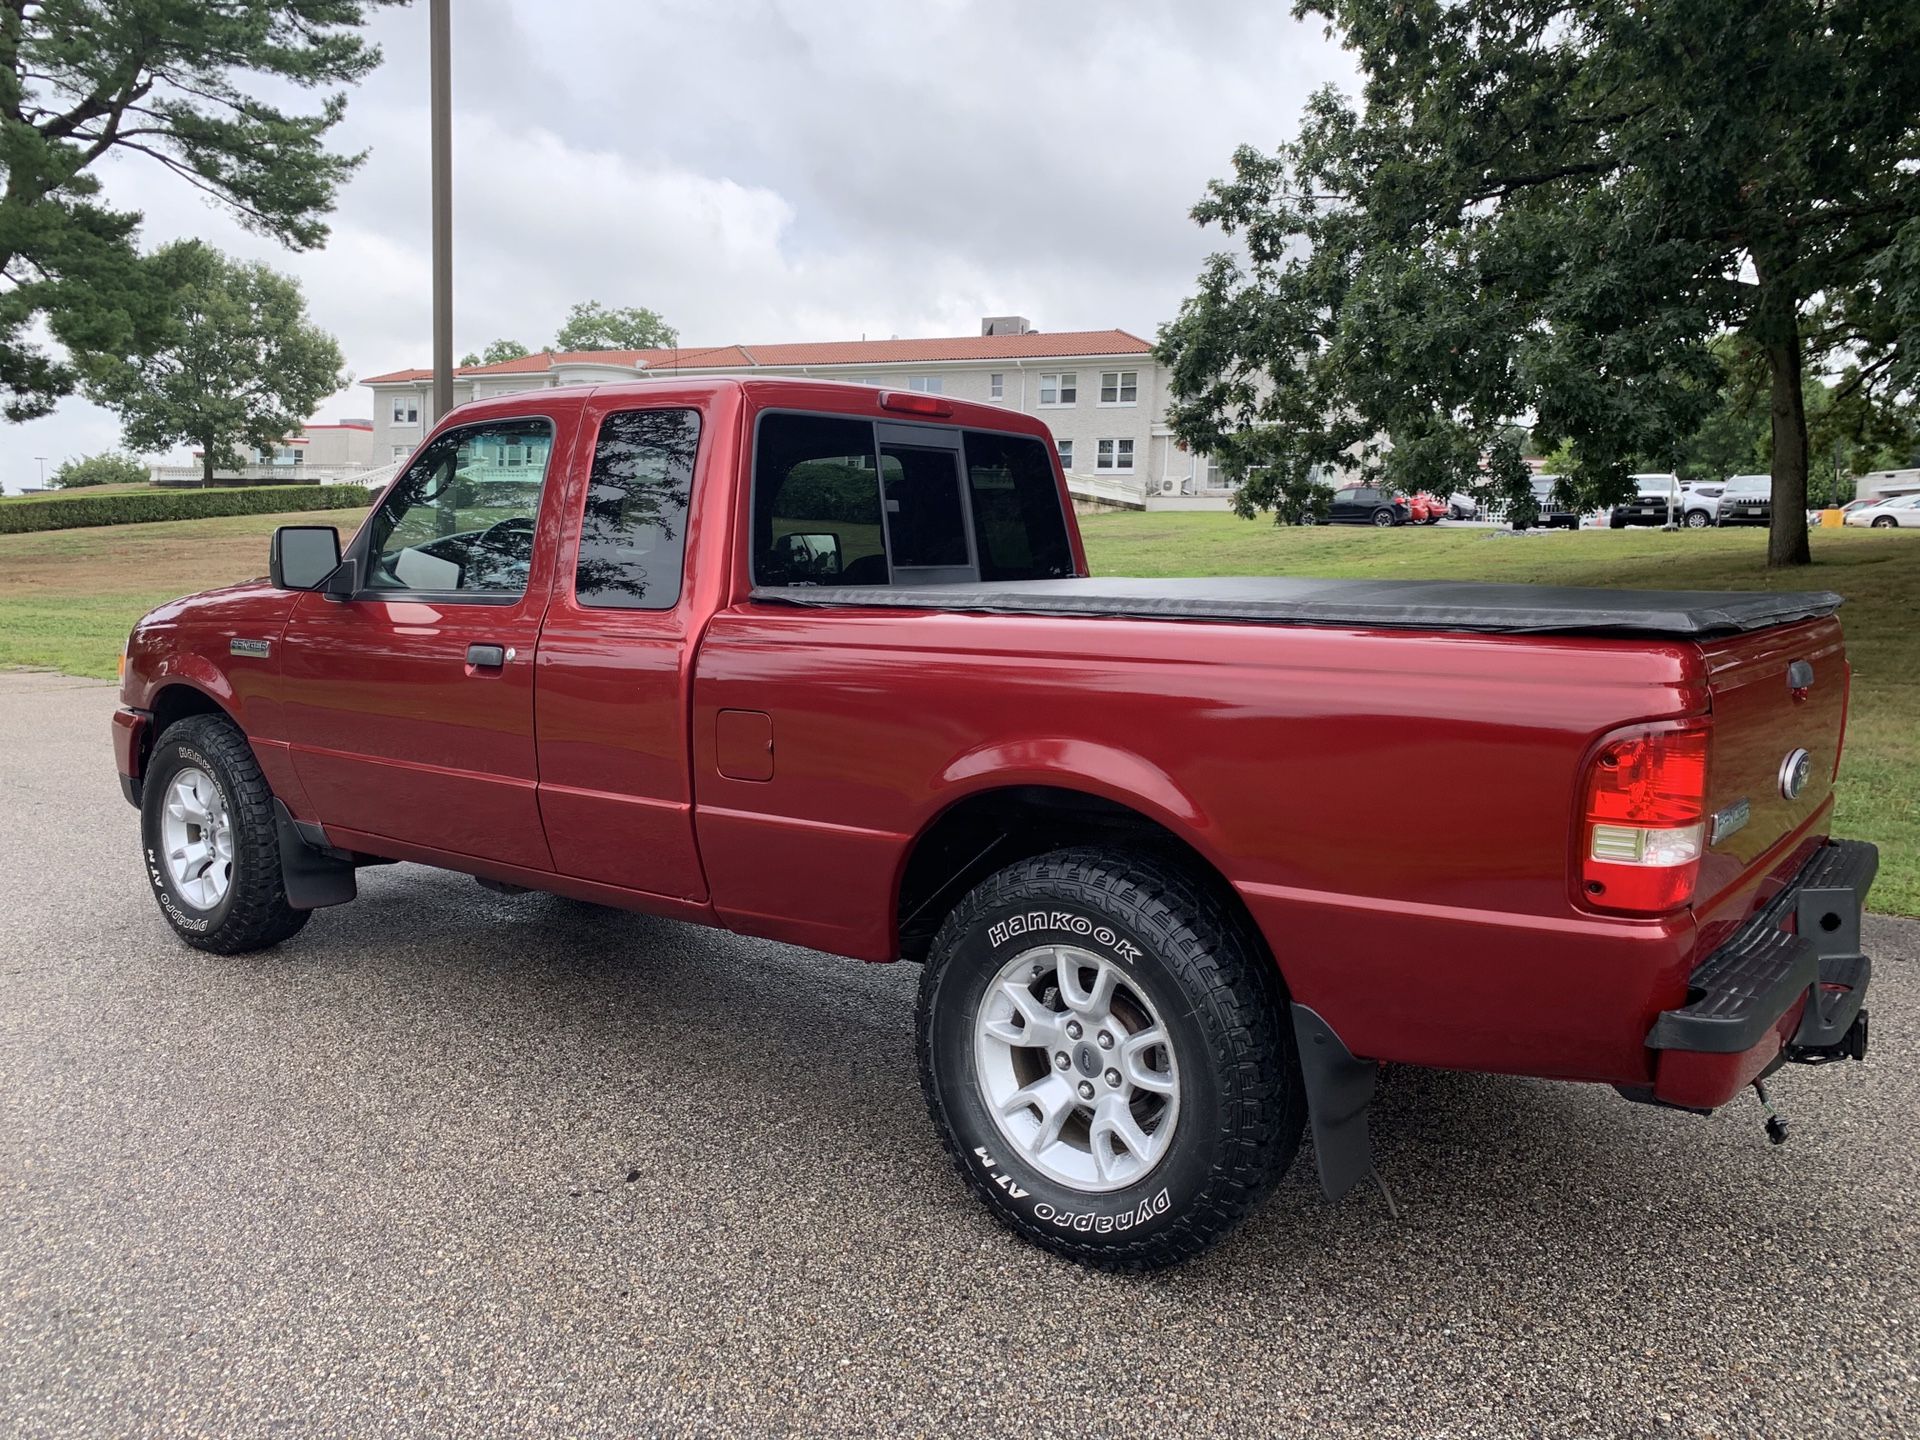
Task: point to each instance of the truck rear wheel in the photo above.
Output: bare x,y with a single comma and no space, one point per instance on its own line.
1105,1054
207,832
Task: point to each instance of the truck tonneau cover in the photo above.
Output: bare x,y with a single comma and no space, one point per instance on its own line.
1389,604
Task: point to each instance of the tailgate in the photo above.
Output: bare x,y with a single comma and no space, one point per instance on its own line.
1775,693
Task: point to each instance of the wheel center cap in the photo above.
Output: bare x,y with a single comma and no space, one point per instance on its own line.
1086,1059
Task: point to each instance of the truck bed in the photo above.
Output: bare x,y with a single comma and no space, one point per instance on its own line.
1387,604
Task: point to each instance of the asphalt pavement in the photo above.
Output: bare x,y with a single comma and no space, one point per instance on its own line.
454,1163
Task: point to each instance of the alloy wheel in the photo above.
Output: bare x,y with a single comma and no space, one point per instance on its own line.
1076,1068
197,833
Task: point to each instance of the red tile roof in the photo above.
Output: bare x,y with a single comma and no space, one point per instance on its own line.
1065,344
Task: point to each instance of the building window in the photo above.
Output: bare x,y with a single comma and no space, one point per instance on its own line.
1120,387
405,411
1115,455
996,386
1061,389
1066,453
400,452
925,384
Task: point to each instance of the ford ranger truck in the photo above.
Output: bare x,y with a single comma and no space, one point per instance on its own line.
825,663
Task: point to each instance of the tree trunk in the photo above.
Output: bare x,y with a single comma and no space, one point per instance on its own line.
1787,531
206,465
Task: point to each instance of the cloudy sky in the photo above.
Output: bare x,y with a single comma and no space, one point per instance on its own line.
772,170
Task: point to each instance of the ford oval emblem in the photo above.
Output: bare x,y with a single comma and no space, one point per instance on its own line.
1794,771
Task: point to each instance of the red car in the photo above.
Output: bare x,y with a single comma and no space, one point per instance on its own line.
825,663
1426,510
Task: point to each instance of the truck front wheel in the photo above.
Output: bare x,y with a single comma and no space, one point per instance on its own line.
1105,1053
208,840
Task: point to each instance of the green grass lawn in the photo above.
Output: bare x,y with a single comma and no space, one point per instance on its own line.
68,598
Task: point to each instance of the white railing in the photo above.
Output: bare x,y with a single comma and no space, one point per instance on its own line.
374,478
1108,490
191,475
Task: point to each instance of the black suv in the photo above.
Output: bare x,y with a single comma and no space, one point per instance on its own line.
1364,505
1656,502
1747,500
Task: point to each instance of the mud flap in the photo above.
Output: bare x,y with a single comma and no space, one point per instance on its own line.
1339,1089
313,876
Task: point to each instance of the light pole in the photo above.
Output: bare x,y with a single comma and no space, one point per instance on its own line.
43,470
440,103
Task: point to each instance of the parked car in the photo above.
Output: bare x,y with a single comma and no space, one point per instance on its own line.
1461,506
1861,504
1553,514
1886,514
1657,500
1365,505
825,664
1747,500
1425,509
1700,504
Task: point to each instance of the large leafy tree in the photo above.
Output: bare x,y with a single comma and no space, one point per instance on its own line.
244,365
110,468
1547,210
593,326
1850,430
176,83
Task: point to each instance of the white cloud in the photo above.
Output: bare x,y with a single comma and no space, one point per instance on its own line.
768,171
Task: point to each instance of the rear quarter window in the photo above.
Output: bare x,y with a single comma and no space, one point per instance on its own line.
633,533
1017,521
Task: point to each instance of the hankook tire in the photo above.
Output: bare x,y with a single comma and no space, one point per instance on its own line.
1105,1053
208,840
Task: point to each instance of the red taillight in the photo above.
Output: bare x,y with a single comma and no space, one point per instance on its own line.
912,402
1643,824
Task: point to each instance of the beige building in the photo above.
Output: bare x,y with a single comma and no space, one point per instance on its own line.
339,450
1100,391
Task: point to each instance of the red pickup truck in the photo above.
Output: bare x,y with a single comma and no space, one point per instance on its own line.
825,663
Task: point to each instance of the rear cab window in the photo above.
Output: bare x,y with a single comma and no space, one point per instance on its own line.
839,500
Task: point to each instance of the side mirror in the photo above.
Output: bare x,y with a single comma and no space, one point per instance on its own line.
344,582
302,556
809,556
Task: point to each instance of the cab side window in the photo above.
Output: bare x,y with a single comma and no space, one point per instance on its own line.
816,503
461,519
633,533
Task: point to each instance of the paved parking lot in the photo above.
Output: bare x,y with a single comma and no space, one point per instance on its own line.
453,1163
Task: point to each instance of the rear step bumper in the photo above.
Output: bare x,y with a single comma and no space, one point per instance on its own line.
1770,993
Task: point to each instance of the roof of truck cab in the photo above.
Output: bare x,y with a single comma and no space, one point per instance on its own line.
771,392
955,349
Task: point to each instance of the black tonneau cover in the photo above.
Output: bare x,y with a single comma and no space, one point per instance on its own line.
1388,604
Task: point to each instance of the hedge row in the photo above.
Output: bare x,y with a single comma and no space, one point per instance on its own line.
131,507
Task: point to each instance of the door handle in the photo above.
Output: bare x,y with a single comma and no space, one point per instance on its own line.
486,657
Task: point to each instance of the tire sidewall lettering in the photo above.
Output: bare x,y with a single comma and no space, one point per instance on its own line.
1157,1198
1066,922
